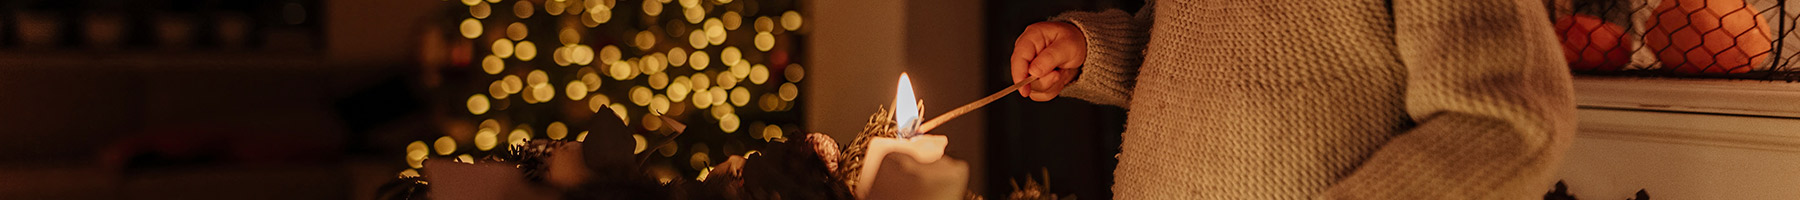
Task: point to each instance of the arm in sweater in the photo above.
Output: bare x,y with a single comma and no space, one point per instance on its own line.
1115,49
1491,97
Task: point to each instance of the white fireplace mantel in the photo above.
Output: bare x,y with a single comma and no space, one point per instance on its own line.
1685,139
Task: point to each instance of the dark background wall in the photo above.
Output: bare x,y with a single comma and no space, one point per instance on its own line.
1074,140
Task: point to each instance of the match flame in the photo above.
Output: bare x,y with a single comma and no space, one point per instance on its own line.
906,109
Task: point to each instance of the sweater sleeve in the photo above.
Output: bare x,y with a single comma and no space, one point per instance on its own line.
1491,98
1115,49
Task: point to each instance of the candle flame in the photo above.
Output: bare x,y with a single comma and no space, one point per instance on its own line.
906,109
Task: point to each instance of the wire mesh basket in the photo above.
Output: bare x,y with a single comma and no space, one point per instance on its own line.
1729,39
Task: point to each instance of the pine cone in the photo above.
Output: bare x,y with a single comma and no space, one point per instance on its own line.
826,148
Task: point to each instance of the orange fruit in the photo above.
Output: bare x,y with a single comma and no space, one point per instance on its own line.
1708,36
1590,43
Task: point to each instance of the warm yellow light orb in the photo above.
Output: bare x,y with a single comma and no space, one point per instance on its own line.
416,152
530,94
543,92
716,40
480,10
659,104
677,56
651,122
502,48
694,14
574,7
583,54
714,28
701,99
470,2
591,78
568,36
561,56
719,95
789,91
700,82
609,53
556,131
490,125
740,96
764,24
518,136
678,89
771,132
740,70
619,109
513,84
732,20
517,31
640,143
523,9
652,8
699,60
554,7
656,63
790,20
478,104
445,145
525,50
599,16
759,74
471,28
593,4
719,111
486,139
640,95
765,41
729,123
726,80
492,64
658,80
650,65
768,102
620,70
645,40
576,90
699,161
730,56
536,77
697,39
582,137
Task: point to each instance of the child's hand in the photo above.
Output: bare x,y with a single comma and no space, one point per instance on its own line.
1052,50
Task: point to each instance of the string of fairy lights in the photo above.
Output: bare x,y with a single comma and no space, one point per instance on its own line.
714,63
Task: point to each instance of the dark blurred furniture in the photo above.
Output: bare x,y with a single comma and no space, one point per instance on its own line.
191,99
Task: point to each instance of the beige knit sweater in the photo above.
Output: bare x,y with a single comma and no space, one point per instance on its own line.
1331,99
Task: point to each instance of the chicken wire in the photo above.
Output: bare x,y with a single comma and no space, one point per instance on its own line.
1666,47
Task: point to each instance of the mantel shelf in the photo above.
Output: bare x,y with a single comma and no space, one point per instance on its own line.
1729,97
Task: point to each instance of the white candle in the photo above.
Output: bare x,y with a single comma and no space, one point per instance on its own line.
927,175
931,173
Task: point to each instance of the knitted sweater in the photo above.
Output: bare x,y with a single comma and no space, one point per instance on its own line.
1337,99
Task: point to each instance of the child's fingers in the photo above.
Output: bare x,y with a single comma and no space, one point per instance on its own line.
1025,51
